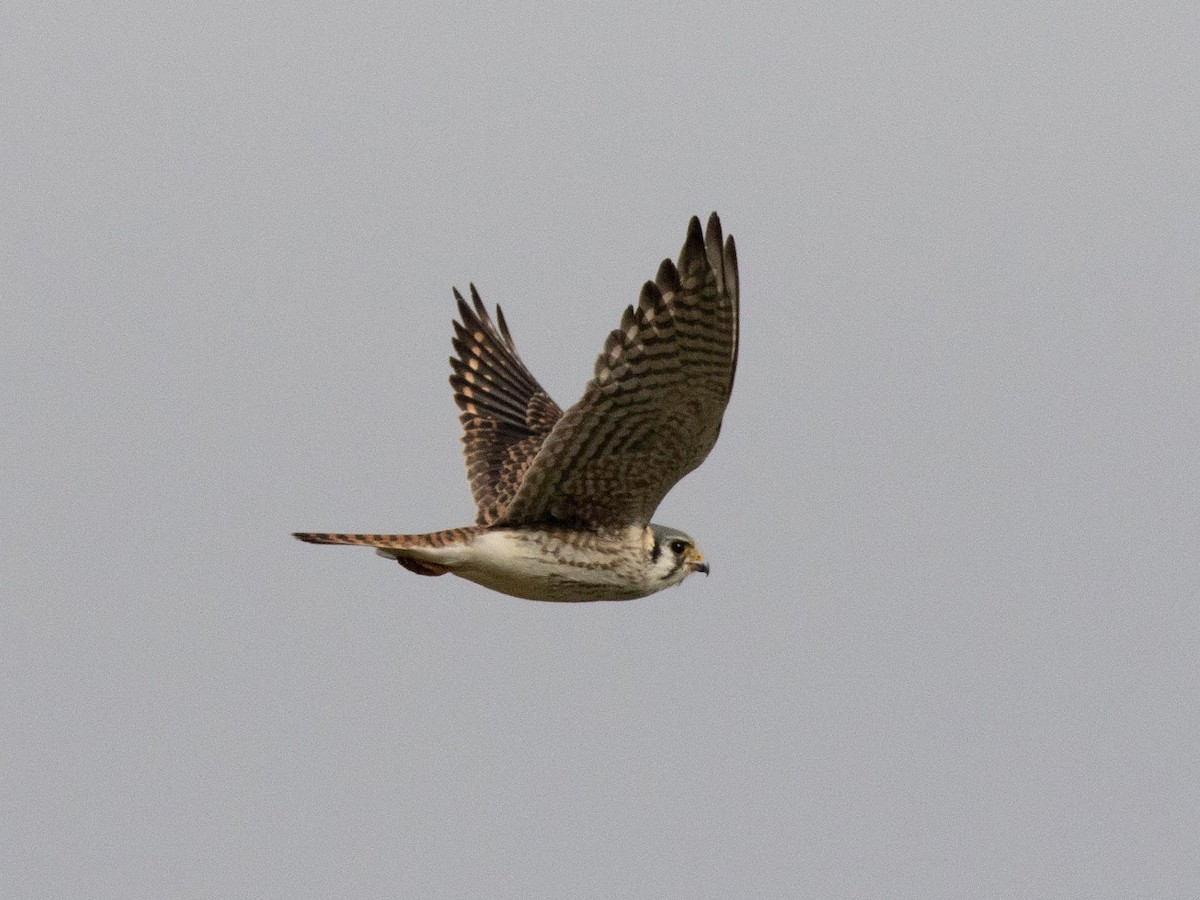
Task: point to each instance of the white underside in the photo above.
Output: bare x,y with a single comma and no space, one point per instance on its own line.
524,565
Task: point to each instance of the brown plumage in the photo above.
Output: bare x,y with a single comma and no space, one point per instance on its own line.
564,500
653,410
505,413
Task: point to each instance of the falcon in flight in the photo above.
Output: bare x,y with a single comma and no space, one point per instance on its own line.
565,499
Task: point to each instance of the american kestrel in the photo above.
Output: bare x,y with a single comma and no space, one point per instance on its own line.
565,499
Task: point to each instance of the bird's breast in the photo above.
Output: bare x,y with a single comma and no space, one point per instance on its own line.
558,564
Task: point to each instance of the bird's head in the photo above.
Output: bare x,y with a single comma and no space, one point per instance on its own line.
671,556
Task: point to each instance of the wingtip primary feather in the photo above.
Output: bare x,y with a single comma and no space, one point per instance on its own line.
504,329
731,267
651,296
667,278
713,241
480,309
464,311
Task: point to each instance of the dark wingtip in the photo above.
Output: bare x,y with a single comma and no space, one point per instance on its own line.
667,278
464,311
693,246
713,245
650,298
731,266
480,309
504,329
713,229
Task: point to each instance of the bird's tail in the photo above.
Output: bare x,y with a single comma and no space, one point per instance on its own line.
426,554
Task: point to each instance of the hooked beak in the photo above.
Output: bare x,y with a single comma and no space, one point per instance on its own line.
697,562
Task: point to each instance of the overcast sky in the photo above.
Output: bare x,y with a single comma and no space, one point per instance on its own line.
949,646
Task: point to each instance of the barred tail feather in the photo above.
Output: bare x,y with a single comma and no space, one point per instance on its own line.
364,540
426,554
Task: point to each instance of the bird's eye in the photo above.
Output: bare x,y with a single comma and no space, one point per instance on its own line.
678,546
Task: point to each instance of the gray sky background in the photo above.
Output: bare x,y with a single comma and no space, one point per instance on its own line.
949,645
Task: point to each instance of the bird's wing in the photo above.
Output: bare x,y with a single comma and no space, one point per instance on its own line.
653,409
505,413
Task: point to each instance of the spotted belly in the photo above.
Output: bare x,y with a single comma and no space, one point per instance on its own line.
555,565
